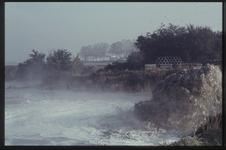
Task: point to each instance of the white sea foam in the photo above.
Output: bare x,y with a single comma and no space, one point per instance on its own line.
61,117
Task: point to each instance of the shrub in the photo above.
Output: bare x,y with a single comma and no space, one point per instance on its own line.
33,67
76,64
116,66
135,61
59,61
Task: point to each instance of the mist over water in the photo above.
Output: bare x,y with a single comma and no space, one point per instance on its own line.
179,104
66,117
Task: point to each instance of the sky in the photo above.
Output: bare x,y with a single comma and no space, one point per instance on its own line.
44,26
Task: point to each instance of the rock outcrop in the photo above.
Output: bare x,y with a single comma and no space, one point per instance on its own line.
184,100
212,123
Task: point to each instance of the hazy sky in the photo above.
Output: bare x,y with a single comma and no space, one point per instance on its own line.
45,26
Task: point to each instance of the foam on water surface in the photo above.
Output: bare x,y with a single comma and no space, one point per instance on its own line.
60,117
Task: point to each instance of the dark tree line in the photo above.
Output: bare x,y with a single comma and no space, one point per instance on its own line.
58,61
34,66
100,49
122,47
193,44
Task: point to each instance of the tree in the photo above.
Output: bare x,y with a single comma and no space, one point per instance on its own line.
200,44
135,61
218,45
192,44
116,48
76,63
59,60
128,47
98,49
33,67
162,42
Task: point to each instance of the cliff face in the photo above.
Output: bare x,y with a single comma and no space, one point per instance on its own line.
182,101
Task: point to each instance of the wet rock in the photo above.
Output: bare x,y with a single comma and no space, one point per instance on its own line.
212,123
182,101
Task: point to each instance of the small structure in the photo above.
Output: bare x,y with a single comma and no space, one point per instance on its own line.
172,62
96,58
168,62
150,66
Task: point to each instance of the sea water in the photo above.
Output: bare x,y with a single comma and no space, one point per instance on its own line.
76,118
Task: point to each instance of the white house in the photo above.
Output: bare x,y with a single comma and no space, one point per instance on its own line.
97,58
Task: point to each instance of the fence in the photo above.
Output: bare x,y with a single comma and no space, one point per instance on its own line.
170,62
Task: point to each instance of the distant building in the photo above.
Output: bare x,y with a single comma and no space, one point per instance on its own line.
97,58
108,57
